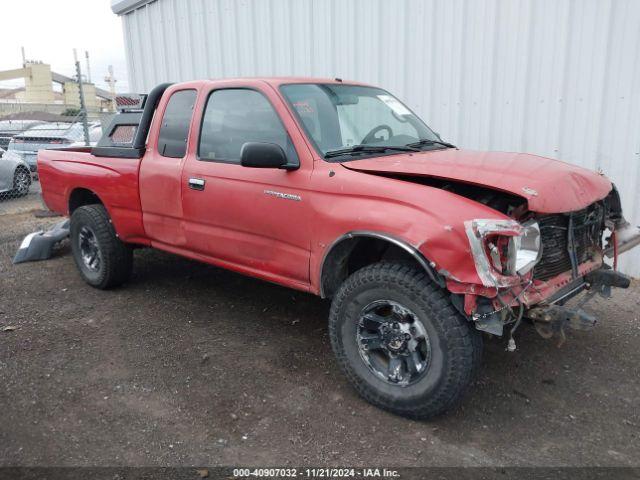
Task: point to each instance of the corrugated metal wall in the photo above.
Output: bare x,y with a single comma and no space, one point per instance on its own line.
559,78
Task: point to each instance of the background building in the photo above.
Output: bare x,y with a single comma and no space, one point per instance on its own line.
558,78
48,91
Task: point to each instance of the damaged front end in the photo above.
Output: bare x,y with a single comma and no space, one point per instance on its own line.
531,265
552,318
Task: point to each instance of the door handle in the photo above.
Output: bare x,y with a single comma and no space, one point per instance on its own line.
196,183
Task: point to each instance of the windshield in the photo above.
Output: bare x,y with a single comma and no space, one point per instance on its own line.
339,117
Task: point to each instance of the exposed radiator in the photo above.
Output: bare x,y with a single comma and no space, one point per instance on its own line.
586,227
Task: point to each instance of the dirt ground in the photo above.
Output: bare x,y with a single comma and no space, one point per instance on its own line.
192,365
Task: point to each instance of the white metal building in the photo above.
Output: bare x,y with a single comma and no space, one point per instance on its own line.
559,78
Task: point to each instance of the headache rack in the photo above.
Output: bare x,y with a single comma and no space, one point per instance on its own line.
569,239
127,135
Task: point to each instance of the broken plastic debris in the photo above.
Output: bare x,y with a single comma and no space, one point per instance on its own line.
39,245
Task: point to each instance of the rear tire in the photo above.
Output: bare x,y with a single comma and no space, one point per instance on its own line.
447,351
102,259
21,182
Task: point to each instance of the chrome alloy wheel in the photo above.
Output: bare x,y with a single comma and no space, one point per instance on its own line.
393,343
21,182
89,249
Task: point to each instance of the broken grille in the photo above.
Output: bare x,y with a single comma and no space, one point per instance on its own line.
569,239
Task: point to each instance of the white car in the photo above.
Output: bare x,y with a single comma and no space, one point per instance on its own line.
15,176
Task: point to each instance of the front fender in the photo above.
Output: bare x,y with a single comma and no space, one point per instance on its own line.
412,251
428,220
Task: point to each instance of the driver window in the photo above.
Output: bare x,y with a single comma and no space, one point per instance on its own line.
234,117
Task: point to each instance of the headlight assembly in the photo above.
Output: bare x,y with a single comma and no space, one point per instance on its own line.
503,250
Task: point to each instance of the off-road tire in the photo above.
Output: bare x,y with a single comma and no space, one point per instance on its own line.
20,188
457,345
116,257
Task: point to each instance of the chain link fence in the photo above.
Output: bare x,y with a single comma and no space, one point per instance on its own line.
25,133
22,135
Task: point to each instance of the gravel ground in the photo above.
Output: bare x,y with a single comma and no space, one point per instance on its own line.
10,206
193,365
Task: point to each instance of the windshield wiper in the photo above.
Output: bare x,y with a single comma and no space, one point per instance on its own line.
369,148
425,141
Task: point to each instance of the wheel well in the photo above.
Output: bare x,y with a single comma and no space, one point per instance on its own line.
80,197
357,251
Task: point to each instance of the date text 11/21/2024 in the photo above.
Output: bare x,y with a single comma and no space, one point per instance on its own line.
316,473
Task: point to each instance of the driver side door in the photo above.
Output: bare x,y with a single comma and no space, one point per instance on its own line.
253,220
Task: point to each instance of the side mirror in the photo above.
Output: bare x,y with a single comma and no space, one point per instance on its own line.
264,155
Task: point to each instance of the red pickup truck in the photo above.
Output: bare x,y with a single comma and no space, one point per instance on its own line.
340,190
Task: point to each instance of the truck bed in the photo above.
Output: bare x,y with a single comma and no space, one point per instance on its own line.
69,175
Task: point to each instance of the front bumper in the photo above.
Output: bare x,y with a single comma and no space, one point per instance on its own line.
553,318
626,238
544,306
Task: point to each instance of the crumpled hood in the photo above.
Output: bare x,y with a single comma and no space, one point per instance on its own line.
550,186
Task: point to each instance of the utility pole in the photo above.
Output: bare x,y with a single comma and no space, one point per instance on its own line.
24,58
86,56
83,107
110,79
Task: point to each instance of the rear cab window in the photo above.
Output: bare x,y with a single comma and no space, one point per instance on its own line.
174,130
123,134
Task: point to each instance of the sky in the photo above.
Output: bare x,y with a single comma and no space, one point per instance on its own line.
49,30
